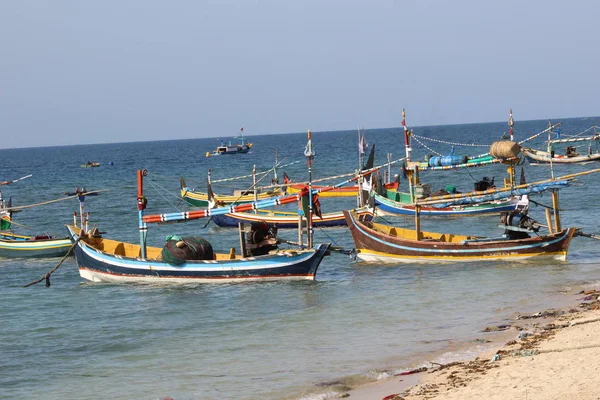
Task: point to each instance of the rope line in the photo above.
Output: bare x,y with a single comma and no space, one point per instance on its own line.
450,143
250,175
156,186
54,201
428,148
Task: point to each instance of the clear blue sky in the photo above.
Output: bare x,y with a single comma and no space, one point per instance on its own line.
99,71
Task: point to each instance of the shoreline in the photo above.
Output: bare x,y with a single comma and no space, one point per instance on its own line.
490,373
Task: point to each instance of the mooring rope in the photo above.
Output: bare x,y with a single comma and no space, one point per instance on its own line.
47,276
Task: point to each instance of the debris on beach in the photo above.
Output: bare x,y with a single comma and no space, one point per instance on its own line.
394,396
412,371
496,328
542,314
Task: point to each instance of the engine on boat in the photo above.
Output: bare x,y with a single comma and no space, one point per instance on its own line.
178,250
517,223
261,239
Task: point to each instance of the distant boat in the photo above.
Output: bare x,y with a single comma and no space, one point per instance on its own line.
588,149
232,148
90,164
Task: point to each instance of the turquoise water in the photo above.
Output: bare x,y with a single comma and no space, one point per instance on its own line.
78,340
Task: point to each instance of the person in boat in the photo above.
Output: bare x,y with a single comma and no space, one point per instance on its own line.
571,151
552,150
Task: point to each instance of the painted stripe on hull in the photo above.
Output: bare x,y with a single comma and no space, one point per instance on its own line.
99,276
374,256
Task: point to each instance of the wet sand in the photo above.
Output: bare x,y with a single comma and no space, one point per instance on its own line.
554,354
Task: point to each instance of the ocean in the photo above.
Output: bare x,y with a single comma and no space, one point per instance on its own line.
281,340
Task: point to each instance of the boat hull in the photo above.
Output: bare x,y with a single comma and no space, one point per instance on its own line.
374,245
388,206
283,220
543,157
99,266
344,191
200,199
18,246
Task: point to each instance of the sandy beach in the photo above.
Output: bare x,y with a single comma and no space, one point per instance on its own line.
553,354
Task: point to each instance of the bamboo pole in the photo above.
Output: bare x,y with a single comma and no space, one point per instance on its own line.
549,221
555,205
418,221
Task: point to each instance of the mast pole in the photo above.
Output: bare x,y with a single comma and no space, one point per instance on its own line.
309,153
409,171
254,185
550,148
511,166
359,199
511,123
141,204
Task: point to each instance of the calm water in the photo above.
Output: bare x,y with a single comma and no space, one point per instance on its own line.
262,340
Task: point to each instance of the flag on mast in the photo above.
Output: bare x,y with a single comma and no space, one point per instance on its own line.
363,146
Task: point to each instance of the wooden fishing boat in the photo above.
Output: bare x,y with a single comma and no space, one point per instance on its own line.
232,148
386,205
391,201
90,164
20,246
101,259
104,260
285,219
588,151
13,245
385,243
201,199
544,157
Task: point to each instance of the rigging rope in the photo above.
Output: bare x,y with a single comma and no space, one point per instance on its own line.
250,175
156,185
450,143
363,173
428,148
54,201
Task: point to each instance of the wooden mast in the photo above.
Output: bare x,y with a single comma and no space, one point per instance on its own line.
141,204
309,153
409,170
413,176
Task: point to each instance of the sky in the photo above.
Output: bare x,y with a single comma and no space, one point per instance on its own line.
104,71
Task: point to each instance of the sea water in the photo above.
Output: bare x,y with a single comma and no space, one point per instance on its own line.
282,340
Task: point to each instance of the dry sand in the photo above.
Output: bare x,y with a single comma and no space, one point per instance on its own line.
556,355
